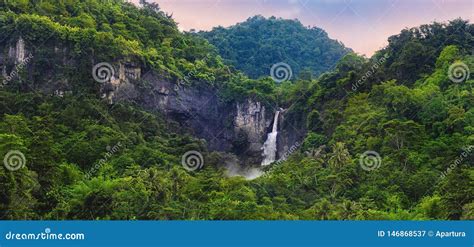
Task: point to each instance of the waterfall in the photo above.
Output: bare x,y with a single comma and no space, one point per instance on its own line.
20,51
269,147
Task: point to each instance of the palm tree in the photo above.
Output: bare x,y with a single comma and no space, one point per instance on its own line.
339,157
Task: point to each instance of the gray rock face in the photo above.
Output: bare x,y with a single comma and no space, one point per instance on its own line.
18,63
238,127
13,60
20,51
122,74
16,52
250,118
290,136
198,109
229,127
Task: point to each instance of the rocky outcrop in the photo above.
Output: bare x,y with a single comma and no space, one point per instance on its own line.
18,63
229,127
250,117
16,53
198,109
13,60
20,51
236,127
290,135
123,76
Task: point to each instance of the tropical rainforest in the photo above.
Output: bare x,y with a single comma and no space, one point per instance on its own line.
254,45
87,158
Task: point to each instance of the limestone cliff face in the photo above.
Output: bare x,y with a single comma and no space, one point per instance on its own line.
17,52
198,109
251,122
291,134
250,117
123,75
237,127
47,73
230,127
14,55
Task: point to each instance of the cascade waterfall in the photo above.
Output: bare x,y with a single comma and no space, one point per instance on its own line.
269,147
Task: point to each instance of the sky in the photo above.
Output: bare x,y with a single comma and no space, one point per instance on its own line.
363,25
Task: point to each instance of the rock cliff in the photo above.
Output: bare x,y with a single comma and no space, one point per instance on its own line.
236,127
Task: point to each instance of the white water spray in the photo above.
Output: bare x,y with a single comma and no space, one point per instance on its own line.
269,147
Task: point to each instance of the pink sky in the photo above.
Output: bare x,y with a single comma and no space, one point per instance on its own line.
363,25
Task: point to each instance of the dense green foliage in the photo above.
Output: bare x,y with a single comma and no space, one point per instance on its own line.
255,45
409,111
86,159
110,29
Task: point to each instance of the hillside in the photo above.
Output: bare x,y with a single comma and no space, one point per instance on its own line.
108,111
255,45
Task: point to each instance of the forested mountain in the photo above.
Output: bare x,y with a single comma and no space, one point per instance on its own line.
258,43
390,137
